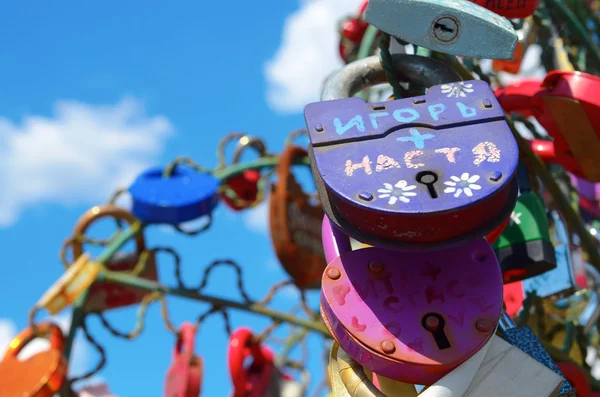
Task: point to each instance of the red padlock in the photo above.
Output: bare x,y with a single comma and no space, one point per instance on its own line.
245,187
510,9
352,31
253,380
576,378
184,377
566,104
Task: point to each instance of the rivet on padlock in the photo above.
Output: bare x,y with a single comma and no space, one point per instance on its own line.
253,380
184,376
412,316
566,105
509,8
183,196
295,225
525,339
245,185
524,249
455,27
417,173
41,375
102,295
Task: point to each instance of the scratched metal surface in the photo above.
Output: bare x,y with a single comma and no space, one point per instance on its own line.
481,34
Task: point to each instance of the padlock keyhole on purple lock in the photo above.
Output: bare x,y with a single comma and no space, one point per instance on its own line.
428,178
434,323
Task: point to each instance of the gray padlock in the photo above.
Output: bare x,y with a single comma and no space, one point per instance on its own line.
525,339
456,27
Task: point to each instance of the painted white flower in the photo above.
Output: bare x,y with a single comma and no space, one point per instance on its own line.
465,184
457,89
400,191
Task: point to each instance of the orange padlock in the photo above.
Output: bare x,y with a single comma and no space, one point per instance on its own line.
41,375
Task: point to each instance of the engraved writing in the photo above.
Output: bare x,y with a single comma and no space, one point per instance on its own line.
431,271
392,303
434,293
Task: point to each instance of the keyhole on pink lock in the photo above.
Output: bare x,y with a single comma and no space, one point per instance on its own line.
434,323
428,178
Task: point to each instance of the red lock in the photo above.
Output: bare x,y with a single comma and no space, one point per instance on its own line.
253,380
352,32
184,377
566,104
245,187
576,378
513,298
510,9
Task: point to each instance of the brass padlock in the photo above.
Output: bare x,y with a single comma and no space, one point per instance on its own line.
104,295
41,375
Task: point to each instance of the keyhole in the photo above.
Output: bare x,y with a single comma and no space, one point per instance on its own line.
435,323
428,178
443,28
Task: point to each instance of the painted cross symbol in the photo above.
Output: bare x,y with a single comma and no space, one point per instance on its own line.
515,218
416,138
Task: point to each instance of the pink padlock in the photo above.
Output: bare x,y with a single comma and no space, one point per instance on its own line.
412,316
184,377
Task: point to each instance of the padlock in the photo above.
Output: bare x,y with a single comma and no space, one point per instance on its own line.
527,36
416,173
261,378
566,105
576,378
524,339
412,316
183,196
295,225
41,375
560,281
245,185
455,27
524,249
104,295
184,376
511,9
352,31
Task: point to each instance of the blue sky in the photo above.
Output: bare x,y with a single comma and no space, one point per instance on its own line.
151,82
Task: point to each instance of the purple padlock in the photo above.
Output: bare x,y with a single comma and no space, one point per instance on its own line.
413,316
419,173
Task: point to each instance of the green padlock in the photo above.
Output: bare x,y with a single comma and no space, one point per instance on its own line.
524,248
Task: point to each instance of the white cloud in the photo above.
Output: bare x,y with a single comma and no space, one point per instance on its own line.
256,219
79,155
82,357
307,55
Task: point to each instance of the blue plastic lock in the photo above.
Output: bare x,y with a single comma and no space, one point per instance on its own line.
184,196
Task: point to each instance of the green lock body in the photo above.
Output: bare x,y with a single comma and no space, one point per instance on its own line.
524,248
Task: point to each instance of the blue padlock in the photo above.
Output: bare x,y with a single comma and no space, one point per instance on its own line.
560,281
183,196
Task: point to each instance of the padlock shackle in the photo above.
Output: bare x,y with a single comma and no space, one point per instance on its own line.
47,330
367,72
186,341
241,345
98,212
245,142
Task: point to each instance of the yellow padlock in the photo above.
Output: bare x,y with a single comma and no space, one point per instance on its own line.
76,279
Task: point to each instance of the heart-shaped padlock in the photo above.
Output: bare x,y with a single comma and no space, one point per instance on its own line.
244,185
183,196
295,225
413,174
252,380
184,377
41,375
413,316
566,105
